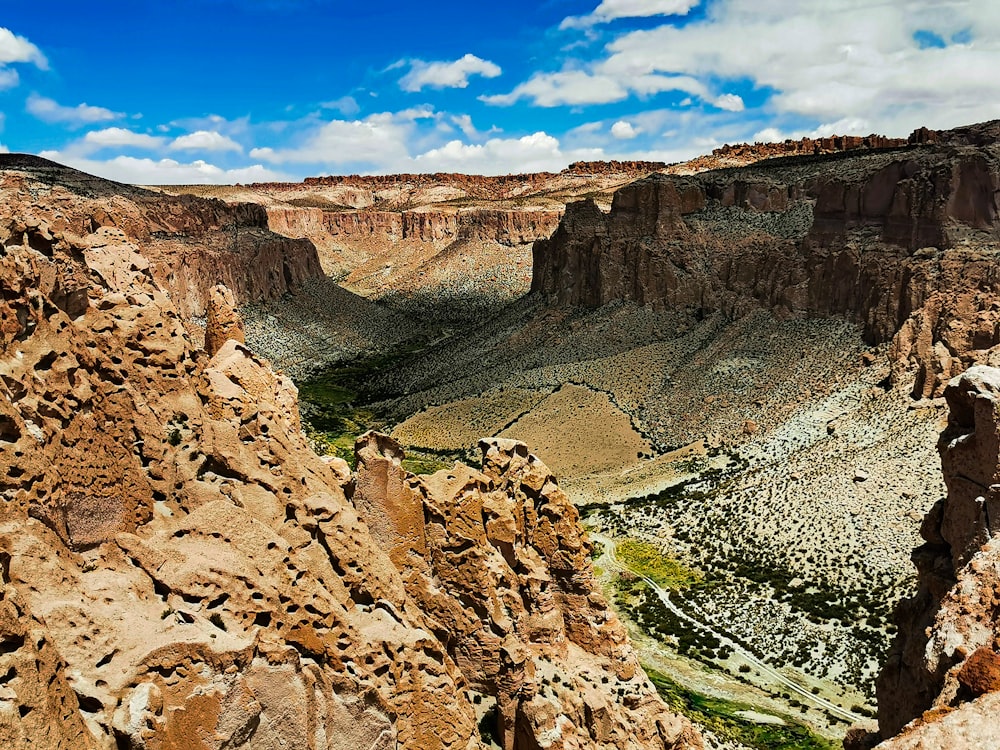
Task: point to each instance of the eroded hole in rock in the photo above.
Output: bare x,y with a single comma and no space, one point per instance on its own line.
9,431
89,704
11,643
262,619
38,242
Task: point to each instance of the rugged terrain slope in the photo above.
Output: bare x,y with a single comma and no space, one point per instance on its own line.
940,684
747,363
442,246
181,570
903,242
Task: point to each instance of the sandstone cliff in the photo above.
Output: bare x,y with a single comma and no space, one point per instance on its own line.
904,242
180,570
942,677
189,244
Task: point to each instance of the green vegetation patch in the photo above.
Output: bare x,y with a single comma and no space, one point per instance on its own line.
722,717
335,413
646,559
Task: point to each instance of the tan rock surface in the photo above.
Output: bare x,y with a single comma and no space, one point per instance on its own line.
196,576
498,559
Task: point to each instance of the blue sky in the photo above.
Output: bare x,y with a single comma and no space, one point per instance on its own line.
250,90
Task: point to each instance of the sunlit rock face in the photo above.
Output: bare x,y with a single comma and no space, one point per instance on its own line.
903,241
181,570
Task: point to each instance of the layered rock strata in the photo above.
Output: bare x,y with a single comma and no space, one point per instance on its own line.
941,682
180,570
902,242
189,244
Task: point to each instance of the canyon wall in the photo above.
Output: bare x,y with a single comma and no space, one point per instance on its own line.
902,242
189,243
180,571
940,685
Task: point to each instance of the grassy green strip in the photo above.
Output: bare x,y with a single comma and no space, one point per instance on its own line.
721,717
646,559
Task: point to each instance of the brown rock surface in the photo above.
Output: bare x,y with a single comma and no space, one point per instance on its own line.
499,561
181,570
223,320
945,653
900,241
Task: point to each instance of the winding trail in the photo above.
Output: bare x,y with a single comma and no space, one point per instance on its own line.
664,596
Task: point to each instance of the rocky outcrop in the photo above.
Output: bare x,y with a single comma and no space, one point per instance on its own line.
181,571
223,321
498,560
946,653
902,242
189,244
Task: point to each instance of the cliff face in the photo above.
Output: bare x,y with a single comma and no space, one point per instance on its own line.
189,244
902,242
180,570
944,668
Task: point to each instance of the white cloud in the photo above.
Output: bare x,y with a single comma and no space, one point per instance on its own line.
17,49
769,135
121,137
452,75
165,171
464,123
205,140
624,130
8,78
378,139
833,59
609,10
729,102
566,87
539,152
576,87
48,110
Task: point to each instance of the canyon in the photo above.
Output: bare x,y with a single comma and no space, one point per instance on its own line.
748,366
181,570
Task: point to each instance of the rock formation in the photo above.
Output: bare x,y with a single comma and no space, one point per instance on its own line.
498,560
901,241
180,570
942,677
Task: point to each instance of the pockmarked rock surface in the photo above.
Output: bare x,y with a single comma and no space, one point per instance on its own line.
940,684
902,241
181,570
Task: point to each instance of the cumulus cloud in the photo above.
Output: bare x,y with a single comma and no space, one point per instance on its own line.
830,59
538,152
450,75
377,140
729,102
624,130
48,110
136,171
17,49
205,140
609,10
121,137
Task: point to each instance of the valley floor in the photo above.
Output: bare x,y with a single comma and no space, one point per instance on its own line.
769,456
